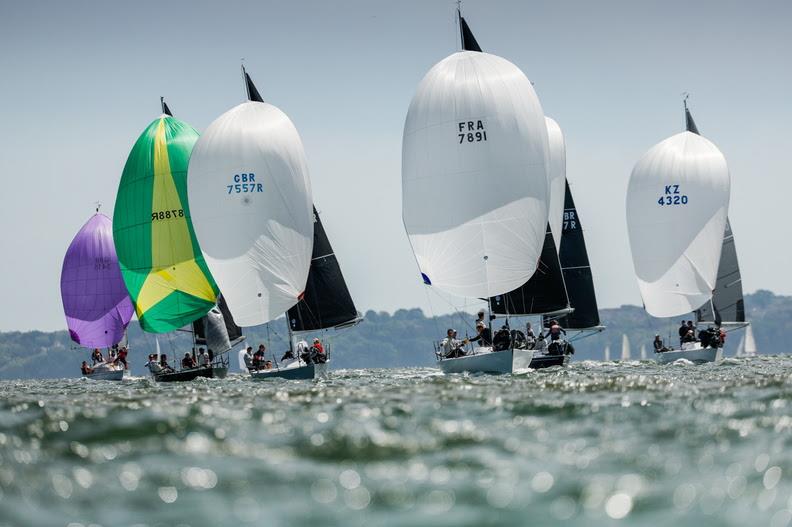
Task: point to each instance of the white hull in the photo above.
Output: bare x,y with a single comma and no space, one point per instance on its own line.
107,375
694,353
498,362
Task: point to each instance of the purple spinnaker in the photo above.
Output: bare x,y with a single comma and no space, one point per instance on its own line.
95,299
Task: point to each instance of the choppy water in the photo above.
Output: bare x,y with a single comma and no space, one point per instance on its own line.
592,444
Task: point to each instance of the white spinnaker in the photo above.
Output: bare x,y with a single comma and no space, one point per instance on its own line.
256,233
474,175
556,174
676,246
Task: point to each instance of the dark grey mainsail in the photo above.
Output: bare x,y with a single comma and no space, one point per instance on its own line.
217,330
468,40
726,305
544,293
577,271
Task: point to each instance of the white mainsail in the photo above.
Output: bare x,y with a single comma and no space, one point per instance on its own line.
607,353
677,201
747,347
557,179
643,351
250,198
625,354
474,176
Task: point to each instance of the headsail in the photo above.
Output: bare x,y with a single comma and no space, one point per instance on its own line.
677,202
95,300
544,293
326,302
161,262
577,271
251,196
474,175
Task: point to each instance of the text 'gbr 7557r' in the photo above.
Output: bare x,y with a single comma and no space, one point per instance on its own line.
471,131
244,183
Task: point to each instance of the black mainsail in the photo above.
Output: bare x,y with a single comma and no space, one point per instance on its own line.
577,270
468,40
326,302
544,293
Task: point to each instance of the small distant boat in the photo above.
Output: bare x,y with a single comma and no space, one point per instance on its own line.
606,354
95,301
747,346
643,352
475,128
678,197
625,351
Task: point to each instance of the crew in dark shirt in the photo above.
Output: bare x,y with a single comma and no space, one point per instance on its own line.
484,335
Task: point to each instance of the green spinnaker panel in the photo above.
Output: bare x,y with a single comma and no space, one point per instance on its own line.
160,259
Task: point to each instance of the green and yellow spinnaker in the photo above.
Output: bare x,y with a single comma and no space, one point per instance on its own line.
160,259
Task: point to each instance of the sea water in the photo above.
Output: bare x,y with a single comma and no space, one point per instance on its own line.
629,443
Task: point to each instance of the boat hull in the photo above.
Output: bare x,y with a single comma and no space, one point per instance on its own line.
495,362
548,361
303,372
112,375
218,372
695,354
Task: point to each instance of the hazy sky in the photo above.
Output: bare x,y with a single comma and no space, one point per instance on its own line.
80,81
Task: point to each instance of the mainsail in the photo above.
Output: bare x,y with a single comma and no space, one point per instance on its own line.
95,300
577,271
677,202
251,196
326,302
474,174
543,293
161,262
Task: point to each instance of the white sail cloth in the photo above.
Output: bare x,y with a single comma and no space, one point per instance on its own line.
557,179
474,175
676,245
250,198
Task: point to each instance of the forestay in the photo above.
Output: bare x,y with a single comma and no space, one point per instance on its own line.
251,199
95,301
677,202
474,176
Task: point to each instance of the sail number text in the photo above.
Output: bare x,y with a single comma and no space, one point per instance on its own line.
471,131
167,214
570,221
244,183
672,196
101,262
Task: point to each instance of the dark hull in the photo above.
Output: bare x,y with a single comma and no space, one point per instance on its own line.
308,371
547,361
217,372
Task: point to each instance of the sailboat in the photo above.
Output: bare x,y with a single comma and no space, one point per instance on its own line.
95,301
677,205
606,354
251,193
475,187
747,346
161,262
625,352
643,352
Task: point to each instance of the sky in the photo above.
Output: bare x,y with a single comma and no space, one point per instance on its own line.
79,81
